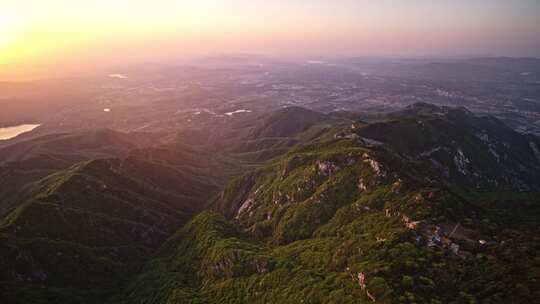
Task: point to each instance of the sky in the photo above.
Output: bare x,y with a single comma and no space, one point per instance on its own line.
44,38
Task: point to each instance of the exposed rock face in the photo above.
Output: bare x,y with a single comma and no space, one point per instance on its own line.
370,296
461,162
327,168
379,238
352,136
362,283
362,280
410,223
246,206
375,165
361,185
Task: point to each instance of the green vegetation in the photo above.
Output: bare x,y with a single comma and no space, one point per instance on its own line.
309,229
332,217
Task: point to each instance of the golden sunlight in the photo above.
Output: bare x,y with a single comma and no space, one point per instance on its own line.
11,29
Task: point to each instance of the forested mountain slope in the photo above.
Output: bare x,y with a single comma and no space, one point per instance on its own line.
358,219
425,205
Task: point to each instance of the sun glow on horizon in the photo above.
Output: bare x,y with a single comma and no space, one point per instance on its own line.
76,34
11,29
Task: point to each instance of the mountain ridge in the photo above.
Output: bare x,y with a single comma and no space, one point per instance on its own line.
286,207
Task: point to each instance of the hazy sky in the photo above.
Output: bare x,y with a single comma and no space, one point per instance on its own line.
39,38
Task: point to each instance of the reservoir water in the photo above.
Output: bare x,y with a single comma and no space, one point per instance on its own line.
10,132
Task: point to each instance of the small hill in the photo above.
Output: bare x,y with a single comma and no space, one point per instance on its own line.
286,122
75,146
416,110
26,162
270,135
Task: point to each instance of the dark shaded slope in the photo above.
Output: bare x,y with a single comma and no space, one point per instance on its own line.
24,163
74,147
109,214
286,122
256,137
271,135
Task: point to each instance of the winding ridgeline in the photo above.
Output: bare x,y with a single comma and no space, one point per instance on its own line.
425,205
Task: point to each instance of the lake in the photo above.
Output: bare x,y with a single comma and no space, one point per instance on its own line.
10,132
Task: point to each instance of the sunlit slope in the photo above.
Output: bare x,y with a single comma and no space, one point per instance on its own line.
353,220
